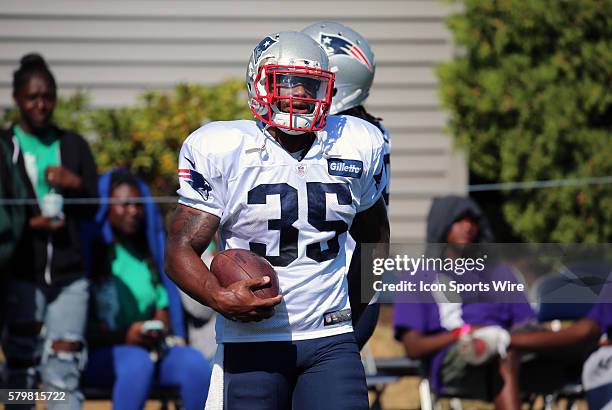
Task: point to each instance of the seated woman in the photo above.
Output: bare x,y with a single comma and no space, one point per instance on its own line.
130,322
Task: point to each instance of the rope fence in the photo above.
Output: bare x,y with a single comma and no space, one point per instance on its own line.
506,186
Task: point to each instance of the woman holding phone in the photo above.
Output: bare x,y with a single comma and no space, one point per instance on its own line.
132,315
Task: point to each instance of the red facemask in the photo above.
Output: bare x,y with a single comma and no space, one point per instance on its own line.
297,98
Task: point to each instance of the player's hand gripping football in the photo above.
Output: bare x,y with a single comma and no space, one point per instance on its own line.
238,302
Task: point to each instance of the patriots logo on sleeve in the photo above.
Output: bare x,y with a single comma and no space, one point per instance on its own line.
197,182
340,45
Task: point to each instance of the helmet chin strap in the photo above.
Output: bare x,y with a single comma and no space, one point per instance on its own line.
277,111
285,131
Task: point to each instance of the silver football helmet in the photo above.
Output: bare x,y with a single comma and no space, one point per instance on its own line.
350,58
289,83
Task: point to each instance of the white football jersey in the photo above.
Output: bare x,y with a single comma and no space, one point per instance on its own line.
295,213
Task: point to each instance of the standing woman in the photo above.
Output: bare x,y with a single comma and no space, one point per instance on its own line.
46,307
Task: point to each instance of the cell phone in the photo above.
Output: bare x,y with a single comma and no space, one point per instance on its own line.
152,326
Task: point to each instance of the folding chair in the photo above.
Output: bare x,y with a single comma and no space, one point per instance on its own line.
382,372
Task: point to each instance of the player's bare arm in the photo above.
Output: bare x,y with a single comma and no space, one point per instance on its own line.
372,226
190,233
369,227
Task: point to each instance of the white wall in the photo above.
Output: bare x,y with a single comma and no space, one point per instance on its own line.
117,49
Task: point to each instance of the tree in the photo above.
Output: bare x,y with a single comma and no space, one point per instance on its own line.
147,138
530,100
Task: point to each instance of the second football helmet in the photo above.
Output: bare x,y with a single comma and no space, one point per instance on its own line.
350,58
289,83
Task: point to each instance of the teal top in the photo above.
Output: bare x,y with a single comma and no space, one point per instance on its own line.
139,291
38,155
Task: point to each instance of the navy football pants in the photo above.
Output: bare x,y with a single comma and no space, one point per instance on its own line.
316,374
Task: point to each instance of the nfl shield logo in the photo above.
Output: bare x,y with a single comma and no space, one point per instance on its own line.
301,170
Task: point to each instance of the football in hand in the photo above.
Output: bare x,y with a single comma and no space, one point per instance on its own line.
233,265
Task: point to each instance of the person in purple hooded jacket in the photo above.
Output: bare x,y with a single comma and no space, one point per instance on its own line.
430,329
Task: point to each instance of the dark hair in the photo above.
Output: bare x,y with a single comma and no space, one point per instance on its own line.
123,177
31,64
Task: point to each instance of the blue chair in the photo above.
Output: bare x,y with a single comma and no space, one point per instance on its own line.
561,297
571,293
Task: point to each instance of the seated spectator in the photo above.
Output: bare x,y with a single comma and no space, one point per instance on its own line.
430,329
130,319
597,370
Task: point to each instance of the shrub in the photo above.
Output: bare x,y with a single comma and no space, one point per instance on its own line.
530,100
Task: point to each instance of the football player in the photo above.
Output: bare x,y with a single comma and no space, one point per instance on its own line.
352,60
289,187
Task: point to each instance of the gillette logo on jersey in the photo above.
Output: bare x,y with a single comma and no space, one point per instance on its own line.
339,45
197,182
345,167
